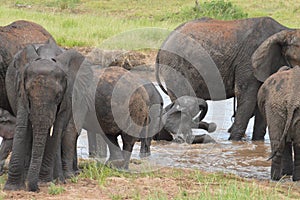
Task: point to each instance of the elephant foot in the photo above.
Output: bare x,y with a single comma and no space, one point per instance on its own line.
33,187
118,164
212,127
275,174
14,187
70,174
236,136
258,138
145,154
202,139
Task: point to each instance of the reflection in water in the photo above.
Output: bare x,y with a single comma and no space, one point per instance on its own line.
246,159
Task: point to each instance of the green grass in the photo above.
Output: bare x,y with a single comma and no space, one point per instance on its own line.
89,23
192,184
55,189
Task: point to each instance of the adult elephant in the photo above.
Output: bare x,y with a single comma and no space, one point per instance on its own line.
278,100
40,85
13,38
211,59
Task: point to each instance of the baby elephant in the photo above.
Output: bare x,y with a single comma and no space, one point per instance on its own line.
279,102
7,129
122,107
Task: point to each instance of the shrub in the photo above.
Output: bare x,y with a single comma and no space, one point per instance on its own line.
218,9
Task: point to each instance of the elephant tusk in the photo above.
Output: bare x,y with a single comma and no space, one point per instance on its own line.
51,130
196,116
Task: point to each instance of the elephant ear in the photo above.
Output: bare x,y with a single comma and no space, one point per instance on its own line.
14,80
269,57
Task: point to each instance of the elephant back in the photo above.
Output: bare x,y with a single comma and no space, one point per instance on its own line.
13,38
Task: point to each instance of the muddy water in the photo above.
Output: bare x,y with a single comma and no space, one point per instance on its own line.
246,159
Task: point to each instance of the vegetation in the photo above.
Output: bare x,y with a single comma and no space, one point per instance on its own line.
89,23
55,189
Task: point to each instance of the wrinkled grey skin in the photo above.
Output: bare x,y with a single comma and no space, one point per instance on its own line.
7,129
41,85
213,57
278,100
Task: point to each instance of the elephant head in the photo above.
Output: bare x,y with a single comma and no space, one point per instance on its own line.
282,48
182,115
44,89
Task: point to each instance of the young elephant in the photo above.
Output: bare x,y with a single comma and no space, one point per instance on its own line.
122,107
279,102
7,129
40,85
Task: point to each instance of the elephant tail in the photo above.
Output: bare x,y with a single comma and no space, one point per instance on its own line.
157,75
289,119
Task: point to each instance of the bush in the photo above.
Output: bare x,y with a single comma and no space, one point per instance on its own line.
218,9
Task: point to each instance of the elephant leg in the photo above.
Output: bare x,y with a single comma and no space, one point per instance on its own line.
128,143
246,102
5,149
145,143
69,141
92,141
296,173
209,127
145,147
260,126
287,159
101,147
20,151
97,146
46,173
116,158
57,169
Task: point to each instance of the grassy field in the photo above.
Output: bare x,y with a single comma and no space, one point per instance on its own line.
89,23
145,24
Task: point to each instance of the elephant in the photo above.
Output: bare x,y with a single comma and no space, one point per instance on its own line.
278,101
7,129
13,38
212,59
179,117
128,106
185,111
122,107
40,84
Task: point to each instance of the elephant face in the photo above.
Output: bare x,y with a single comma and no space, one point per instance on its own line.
44,89
280,49
181,116
45,84
7,124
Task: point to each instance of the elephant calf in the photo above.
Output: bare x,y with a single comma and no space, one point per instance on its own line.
7,129
122,106
279,102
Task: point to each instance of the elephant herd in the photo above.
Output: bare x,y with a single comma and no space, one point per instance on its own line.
49,94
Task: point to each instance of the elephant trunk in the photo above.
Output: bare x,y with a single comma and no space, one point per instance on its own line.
40,133
203,107
42,117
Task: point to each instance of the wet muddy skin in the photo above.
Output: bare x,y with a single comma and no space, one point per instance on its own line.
246,158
